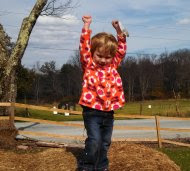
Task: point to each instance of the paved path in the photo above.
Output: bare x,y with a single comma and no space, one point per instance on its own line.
69,130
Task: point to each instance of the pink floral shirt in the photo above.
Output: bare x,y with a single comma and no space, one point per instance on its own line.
102,86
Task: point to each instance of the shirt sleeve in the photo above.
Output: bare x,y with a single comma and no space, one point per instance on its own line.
84,47
121,50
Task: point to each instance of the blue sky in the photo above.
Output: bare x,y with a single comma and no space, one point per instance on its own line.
155,26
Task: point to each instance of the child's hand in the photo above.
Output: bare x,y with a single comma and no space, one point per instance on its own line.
87,19
115,24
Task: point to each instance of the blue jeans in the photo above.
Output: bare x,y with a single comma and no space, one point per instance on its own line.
99,127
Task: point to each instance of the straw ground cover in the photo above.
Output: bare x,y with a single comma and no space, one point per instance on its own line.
123,156
7,134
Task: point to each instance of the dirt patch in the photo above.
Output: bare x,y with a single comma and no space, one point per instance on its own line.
8,132
123,157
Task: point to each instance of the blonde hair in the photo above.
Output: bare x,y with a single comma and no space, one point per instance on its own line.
105,40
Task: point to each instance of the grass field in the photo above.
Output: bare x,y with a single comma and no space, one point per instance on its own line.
158,107
46,115
181,156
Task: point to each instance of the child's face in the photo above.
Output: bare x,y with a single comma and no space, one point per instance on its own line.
102,58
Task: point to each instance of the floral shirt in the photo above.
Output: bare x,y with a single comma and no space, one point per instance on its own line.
102,86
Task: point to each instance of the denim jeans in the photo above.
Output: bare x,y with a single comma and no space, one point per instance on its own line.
99,127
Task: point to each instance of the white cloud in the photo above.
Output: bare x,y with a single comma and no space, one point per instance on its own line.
149,18
184,21
65,19
56,32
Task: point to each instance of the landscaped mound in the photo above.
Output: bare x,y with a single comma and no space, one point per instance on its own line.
133,157
123,157
8,133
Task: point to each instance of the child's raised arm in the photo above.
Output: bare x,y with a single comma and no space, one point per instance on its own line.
121,31
115,24
121,50
85,54
87,19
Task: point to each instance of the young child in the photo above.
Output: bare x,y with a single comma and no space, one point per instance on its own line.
102,91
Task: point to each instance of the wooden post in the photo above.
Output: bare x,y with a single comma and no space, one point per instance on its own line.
12,113
141,108
157,120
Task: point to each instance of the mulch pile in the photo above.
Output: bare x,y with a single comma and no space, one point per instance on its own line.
124,156
8,132
133,157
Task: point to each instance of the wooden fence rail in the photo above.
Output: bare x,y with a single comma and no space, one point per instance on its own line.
158,130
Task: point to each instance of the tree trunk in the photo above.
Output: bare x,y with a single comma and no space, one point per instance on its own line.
9,88
9,63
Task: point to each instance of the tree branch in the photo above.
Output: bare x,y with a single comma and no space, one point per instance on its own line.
55,9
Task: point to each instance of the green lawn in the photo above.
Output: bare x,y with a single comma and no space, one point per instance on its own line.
45,115
158,107
181,156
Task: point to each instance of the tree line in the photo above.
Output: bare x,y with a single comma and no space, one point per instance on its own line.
144,77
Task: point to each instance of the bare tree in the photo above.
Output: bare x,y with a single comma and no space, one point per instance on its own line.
37,71
55,8
131,74
145,73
